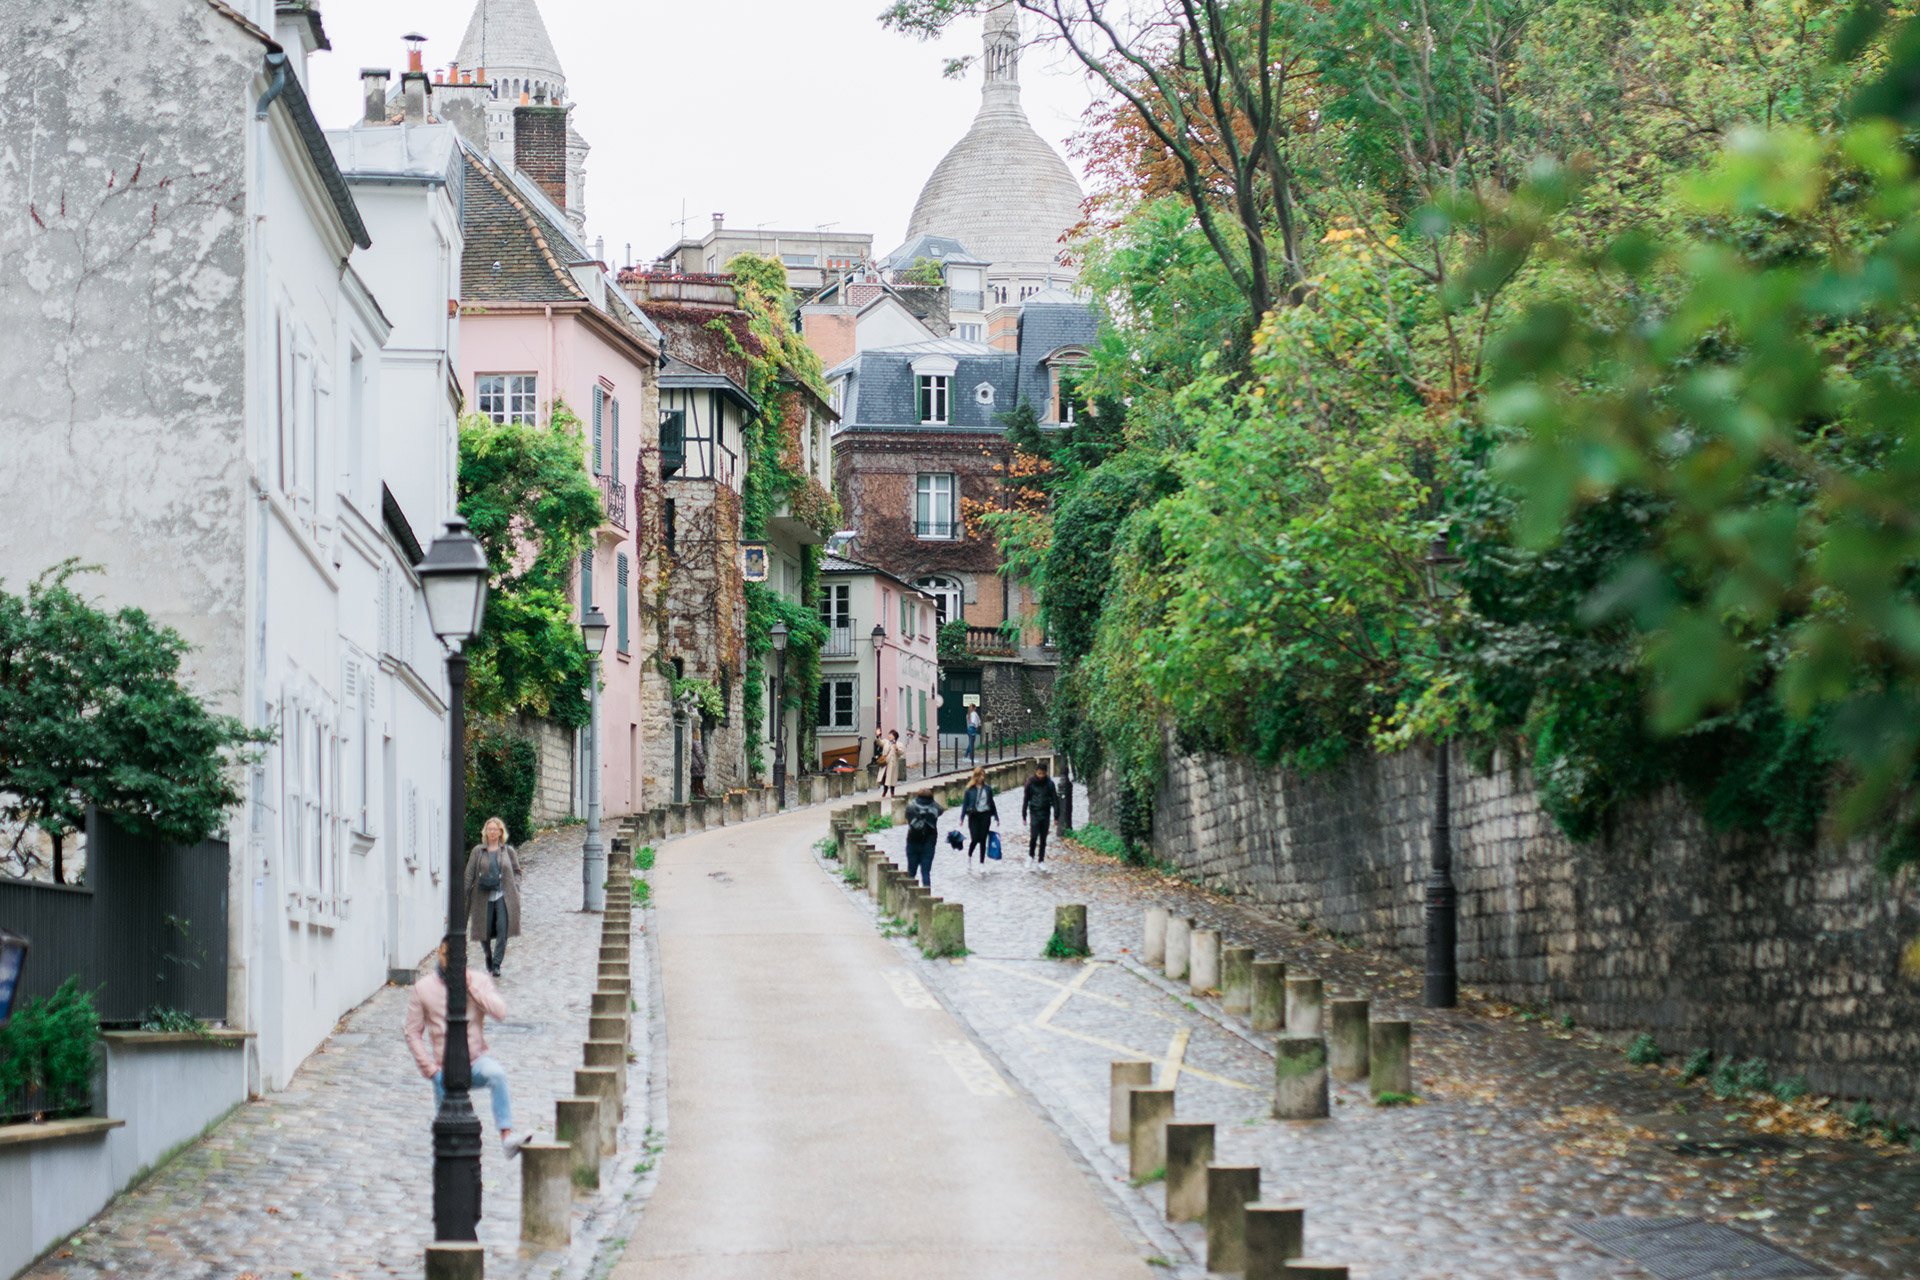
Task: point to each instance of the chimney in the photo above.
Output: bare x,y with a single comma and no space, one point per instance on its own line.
373,88
413,96
464,106
719,221
540,148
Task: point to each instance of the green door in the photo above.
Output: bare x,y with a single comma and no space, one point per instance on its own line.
955,687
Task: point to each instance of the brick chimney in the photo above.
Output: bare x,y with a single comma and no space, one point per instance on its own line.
540,148
373,88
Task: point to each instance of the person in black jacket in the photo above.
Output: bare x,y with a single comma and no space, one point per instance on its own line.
1037,802
982,808
923,828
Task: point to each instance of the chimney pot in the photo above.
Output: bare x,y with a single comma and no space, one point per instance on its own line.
373,90
719,221
439,77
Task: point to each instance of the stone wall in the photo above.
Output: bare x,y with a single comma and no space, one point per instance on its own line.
1009,691
553,793
1787,951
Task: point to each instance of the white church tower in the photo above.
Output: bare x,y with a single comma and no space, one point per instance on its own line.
509,39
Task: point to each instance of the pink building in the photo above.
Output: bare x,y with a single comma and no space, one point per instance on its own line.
880,666
542,324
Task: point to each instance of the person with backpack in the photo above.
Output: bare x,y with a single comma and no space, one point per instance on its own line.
1038,800
982,810
493,894
923,829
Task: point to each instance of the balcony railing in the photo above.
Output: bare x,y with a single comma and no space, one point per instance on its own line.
989,640
949,529
839,643
613,497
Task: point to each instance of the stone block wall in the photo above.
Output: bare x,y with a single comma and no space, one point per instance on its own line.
553,794
1782,950
1009,690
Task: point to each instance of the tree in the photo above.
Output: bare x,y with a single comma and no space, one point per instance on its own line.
924,271
95,716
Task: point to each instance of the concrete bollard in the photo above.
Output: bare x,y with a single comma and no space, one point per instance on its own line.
1070,928
1230,1189
608,1003
610,1027
1236,980
1299,1077
1153,950
1306,1000
1312,1269
677,820
1276,1235
1269,1009
1189,1152
876,863
576,1122
602,1083
1203,961
1179,938
611,1054
1347,1040
897,810
1148,1111
949,931
1125,1077
464,1261
924,917
1390,1058
546,1194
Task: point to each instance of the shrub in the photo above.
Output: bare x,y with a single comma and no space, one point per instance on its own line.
1791,1089
1645,1051
47,1055
1058,948
503,769
1699,1062
879,822
1101,840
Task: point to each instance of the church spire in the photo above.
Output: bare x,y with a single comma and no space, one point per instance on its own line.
1001,86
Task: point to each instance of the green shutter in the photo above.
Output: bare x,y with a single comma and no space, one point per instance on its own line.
923,711
599,397
586,583
613,463
620,599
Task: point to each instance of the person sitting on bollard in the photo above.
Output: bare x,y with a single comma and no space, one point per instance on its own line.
426,1028
1037,802
923,829
983,810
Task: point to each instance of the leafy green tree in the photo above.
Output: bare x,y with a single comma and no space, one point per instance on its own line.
924,271
95,715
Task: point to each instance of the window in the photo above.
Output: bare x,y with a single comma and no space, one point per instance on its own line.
947,597
670,526
906,618
798,259
983,394
836,604
839,703
969,333
507,397
933,397
936,506
353,466
620,604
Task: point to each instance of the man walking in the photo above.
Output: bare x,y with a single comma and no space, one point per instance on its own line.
426,1028
1037,803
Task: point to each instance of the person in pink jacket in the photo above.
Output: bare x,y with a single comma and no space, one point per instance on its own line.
427,1037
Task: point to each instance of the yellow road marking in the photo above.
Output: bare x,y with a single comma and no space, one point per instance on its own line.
975,1072
1132,1054
1066,994
1176,1051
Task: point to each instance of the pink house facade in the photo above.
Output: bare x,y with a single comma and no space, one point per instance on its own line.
880,666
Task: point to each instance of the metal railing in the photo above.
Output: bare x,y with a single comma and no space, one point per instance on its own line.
937,529
613,497
839,643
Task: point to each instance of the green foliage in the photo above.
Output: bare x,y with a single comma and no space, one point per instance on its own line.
643,858
1792,1089
526,494
47,1053
1732,1079
827,847
952,640
1388,1098
1059,948
1102,841
95,715
705,695
176,1021
924,271
1645,1051
503,771
1698,1063
878,822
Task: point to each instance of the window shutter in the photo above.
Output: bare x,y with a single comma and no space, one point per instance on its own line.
586,582
613,462
599,398
620,595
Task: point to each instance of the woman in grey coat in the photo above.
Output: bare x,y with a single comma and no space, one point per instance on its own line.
493,893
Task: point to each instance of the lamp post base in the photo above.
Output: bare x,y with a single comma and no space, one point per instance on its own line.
1442,986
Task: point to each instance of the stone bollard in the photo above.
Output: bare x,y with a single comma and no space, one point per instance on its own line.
1230,1189
1347,1039
1269,1009
1125,1077
1299,1077
1390,1058
877,863
610,1027
677,820
1306,999
924,913
1070,928
1236,980
949,931
608,1003
1276,1235
546,1194
451,1261
576,1122
1189,1152
1148,1111
611,1054
1312,1269
603,1084
1179,938
1153,950
897,810
1203,961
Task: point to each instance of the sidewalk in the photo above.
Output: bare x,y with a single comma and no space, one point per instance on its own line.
333,1176
827,1119
1525,1127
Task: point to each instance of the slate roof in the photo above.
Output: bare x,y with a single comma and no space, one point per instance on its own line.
929,245
510,35
513,252
830,563
1050,320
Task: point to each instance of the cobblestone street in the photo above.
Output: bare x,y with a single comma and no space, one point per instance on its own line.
1524,1126
332,1177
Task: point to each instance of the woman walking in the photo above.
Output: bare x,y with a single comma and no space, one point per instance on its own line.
1038,800
982,810
923,825
890,775
493,893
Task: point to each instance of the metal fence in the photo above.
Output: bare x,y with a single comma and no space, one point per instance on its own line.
148,930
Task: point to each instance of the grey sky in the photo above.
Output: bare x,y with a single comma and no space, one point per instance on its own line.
788,113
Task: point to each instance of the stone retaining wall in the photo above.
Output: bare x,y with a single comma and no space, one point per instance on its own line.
1755,948
553,793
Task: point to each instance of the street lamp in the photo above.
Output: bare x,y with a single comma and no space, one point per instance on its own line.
779,714
454,579
13,961
879,642
593,854
1443,903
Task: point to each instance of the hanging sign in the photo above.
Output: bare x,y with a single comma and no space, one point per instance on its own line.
753,561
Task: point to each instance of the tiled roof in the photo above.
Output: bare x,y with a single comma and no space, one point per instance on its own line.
513,253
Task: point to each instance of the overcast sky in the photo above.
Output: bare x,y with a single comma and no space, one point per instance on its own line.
785,113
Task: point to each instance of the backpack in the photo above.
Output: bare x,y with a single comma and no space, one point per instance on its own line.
923,818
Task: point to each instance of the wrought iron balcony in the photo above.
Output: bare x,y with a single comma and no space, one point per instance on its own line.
839,643
613,497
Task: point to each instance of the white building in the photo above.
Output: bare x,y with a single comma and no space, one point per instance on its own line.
507,46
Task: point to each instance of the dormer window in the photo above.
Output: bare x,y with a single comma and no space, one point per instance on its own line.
933,398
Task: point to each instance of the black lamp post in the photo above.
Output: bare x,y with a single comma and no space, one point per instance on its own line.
454,578
593,854
879,643
13,962
779,714
1443,903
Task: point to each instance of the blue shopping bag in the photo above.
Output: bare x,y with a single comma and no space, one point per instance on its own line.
993,845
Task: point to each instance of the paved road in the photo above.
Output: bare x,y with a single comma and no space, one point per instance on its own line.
826,1117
